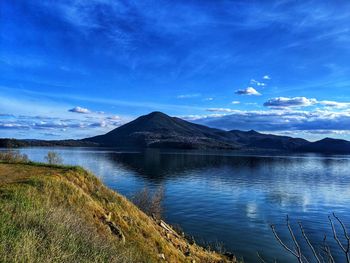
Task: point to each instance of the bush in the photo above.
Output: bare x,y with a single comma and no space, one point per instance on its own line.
150,204
13,157
53,158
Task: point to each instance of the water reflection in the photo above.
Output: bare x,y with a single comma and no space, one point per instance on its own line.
227,197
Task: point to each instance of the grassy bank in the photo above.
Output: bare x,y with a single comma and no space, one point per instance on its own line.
65,214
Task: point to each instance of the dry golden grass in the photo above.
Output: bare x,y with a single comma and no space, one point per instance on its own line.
65,214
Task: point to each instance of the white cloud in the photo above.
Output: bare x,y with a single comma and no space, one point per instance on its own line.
236,102
79,110
267,77
40,126
12,126
209,99
248,91
283,102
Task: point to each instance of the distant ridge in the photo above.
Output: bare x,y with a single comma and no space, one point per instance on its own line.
158,130
327,145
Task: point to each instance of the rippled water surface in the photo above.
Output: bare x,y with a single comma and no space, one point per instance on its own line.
227,198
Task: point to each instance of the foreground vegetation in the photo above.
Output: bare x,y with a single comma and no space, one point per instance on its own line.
53,213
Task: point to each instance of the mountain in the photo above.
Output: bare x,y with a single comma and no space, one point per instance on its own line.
327,145
158,130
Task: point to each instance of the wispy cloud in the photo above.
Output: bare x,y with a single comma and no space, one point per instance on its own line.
335,104
257,83
220,110
266,77
236,102
188,96
282,102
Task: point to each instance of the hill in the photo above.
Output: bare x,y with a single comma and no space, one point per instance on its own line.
65,214
327,145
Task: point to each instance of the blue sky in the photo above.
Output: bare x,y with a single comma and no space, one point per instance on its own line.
75,68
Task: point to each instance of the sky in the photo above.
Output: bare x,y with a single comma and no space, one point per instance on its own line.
76,68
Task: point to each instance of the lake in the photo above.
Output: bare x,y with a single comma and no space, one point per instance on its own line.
229,198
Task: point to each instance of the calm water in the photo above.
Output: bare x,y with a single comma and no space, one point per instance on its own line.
227,198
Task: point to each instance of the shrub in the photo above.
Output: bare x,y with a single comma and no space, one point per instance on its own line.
13,157
53,158
150,204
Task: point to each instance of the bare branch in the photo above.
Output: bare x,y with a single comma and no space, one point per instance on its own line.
335,235
261,258
309,243
345,250
324,254
298,250
281,242
343,226
327,250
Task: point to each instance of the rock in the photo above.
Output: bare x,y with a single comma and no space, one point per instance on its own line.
161,256
187,252
191,240
116,231
108,217
230,256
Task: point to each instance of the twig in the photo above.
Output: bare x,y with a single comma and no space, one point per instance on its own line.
298,250
327,250
261,258
309,243
345,250
281,242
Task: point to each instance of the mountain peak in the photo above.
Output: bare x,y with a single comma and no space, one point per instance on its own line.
156,114
252,132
